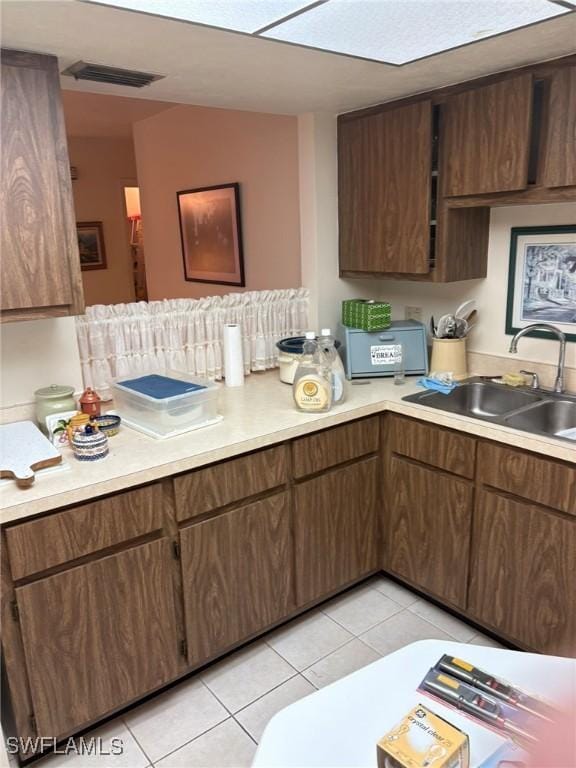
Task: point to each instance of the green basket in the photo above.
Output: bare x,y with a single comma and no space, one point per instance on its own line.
366,314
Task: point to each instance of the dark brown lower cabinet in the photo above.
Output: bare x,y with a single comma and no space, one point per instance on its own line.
427,529
237,575
523,574
99,636
335,529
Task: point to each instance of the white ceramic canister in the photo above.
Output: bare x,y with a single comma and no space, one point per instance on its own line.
57,398
290,352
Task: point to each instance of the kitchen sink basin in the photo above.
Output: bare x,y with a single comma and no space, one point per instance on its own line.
538,412
552,417
479,398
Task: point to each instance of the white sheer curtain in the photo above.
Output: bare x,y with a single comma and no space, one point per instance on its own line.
118,340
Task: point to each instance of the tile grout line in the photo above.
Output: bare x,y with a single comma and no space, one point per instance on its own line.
306,669
245,730
127,726
190,741
352,637
258,698
400,609
437,626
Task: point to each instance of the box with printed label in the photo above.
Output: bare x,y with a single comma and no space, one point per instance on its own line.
423,739
368,354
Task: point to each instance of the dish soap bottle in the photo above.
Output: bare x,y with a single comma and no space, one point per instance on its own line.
328,344
312,388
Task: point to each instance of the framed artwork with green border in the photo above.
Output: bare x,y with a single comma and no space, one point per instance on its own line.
542,279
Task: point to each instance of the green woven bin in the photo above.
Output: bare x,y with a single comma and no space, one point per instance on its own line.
366,314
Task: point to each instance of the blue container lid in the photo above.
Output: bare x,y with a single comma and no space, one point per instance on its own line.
160,387
295,344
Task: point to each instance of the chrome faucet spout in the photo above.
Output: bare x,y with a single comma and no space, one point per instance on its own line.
559,383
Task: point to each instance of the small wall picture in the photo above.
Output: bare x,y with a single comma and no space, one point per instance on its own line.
542,279
91,244
211,235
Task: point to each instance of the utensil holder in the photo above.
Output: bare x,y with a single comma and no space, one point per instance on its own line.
449,355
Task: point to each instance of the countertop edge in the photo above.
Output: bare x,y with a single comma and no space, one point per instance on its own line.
480,429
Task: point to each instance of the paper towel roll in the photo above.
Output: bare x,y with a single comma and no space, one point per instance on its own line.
233,358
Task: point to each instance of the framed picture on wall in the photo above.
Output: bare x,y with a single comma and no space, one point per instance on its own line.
211,234
91,245
542,279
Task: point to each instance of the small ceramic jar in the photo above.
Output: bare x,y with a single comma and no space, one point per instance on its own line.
90,402
53,399
89,445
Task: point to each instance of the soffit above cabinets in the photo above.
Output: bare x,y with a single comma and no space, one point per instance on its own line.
393,32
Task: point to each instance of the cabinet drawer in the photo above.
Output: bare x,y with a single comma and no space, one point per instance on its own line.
529,476
206,489
335,446
65,536
424,442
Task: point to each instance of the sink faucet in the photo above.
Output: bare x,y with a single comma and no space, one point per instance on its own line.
559,383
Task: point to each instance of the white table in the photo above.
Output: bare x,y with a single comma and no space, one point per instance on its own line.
340,725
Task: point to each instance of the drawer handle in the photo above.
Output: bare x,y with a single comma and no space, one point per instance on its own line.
386,337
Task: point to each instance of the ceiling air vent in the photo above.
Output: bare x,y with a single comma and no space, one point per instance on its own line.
112,75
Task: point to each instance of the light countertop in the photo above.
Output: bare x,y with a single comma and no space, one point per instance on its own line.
255,416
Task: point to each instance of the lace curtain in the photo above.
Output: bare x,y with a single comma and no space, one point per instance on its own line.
119,340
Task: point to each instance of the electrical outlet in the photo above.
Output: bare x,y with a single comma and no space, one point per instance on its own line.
413,313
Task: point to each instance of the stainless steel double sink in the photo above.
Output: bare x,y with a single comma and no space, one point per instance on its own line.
536,411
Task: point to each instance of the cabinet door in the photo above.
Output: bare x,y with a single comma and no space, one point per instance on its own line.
335,529
560,147
99,635
384,171
487,138
427,529
40,266
523,573
237,575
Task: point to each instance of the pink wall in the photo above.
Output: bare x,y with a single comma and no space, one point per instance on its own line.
187,147
105,166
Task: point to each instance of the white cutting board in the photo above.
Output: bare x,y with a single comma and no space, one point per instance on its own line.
24,449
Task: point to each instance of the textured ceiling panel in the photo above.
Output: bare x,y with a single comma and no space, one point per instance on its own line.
399,31
237,15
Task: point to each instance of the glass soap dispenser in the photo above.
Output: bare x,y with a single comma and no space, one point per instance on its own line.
312,388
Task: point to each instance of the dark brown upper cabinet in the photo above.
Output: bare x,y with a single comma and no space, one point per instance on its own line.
384,166
417,177
559,166
392,221
40,268
487,138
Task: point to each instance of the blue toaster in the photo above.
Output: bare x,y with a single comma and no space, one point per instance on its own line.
373,353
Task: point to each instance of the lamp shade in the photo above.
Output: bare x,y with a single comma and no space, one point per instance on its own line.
132,195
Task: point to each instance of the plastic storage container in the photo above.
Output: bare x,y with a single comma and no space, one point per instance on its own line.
166,404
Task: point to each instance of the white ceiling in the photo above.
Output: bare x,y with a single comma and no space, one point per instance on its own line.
217,68
401,31
387,31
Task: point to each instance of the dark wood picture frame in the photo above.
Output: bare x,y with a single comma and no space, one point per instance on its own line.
221,236
91,245
516,280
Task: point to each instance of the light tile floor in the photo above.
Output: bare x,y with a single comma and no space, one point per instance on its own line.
215,718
